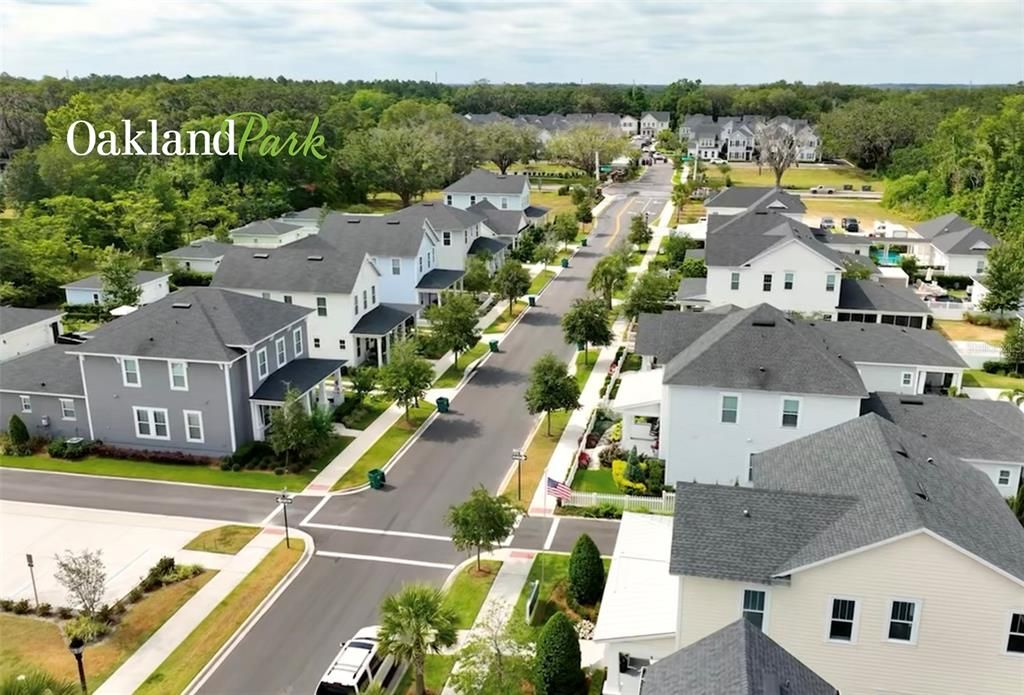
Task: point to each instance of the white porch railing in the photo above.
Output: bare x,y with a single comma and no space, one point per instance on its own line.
953,311
630,503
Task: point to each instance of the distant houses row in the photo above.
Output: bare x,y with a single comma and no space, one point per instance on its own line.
647,125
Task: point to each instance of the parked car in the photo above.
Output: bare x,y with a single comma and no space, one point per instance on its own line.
827,190
850,224
718,160
827,223
357,666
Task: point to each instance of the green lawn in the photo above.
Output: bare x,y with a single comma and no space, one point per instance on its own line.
585,365
384,448
982,379
555,203
599,480
553,571
624,292
541,281
223,539
453,375
632,362
179,473
366,412
596,681
467,593
436,670
797,177
501,324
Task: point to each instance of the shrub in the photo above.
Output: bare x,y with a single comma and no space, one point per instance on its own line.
995,366
225,465
557,664
105,615
84,628
44,609
162,567
6,605
135,595
609,454
586,572
563,190
190,278
977,319
655,476
251,452
622,482
63,449
615,432
236,467
18,436
634,473
64,612
182,572
279,470
151,456
149,583
33,682
584,459
21,607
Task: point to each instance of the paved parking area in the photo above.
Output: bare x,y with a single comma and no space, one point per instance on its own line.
131,544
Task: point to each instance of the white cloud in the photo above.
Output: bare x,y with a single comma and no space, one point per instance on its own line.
646,41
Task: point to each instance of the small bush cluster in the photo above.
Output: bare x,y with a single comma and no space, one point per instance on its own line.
17,442
609,454
86,312
190,278
63,449
623,482
643,477
604,510
167,571
150,455
249,456
86,628
987,320
615,432
1000,367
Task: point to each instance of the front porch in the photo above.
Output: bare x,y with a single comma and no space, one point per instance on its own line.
318,382
638,400
379,328
437,281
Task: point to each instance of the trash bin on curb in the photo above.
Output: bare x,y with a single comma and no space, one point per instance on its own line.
493,344
442,404
377,478
565,262
532,300
584,241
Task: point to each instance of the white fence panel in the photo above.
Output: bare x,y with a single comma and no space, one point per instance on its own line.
630,503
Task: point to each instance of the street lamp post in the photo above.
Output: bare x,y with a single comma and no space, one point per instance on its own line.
284,499
518,456
77,646
32,574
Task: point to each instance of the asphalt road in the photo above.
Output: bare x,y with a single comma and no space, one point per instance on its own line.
398,535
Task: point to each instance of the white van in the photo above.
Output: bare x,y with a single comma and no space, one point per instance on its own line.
357,666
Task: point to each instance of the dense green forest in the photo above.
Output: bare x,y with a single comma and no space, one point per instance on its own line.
947,148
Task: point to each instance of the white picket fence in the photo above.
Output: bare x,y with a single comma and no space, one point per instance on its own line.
950,311
630,503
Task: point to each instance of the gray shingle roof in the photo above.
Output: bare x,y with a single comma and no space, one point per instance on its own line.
301,374
212,325
50,370
665,335
762,349
205,249
442,217
486,244
739,659
757,198
14,317
692,288
266,228
95,282
968,428
951,233
867,295
439,279
382,318
483,181
885,344
291,268
735,239
658,115
503,222
375,235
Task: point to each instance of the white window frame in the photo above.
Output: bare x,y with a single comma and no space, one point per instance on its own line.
66,405
854,629
316,343
721,408
767,281
446,238
138,373
830,282
1010,631
914,624
1000,474
170,374
448,199
788,278
281,348
202,429
297,345
799,407
287,298
504,203
373,295
355,304
321,304
364,301
734,282
906,378
151,421
26,404
396,266
262,371
764,611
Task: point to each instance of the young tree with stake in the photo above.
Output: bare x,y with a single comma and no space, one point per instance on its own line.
511,281
551,387
587,321
406,376
482,522
453,322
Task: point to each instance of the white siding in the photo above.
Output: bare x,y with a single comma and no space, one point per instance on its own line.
996,472
617,683
28,339
197,265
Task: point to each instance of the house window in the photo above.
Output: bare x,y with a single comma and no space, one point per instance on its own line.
179,375
262,363
151,423
1004,477
504,203
282,352
446,238
359,347
907,378
396,266
734,281
321,306
790,412
730,408
193,426
1015,643
364,300
287,299
130,372
830,282
472,200
766,282
419,262
266,295
373,295
980,268
26,404
341,344
787,281
430,259
67,409
844,613
316,343
355,304
297,341
903,621
753,607
448,199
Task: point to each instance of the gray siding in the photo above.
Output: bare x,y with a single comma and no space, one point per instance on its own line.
272,352
240,395
48,406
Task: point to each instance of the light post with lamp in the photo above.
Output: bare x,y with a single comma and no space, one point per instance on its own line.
77,646
518,456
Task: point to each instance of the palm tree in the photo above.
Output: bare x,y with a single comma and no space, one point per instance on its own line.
416,621
36,683
1015,396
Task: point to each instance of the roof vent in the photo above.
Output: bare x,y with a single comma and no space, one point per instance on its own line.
930,460
922,492
760,369
261,255
314,258
353,220
393,222
181,305
746,513
911,401
196,244
763,323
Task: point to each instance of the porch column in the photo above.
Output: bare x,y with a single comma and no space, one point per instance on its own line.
307,401
338,397
958,380
323,394
257,423
380,351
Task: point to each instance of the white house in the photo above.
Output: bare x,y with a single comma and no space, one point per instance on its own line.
954,245
270,233
653,122
202,256
740,199
870,554
737,138
153,285
629,125
453,230
26,330
504,191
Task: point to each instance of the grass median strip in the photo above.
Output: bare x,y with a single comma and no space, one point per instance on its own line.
584,366
436,670
453,375
538,453
501,324
223,539
178,669
384,448
467,593
543,278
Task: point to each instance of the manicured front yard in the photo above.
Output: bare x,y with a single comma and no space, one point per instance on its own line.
384,448
598,480
469,589
982,379
501,324
453,375
538,454
366,412
178,669
223,539
37,643
961,330
436,670
553,572
550,199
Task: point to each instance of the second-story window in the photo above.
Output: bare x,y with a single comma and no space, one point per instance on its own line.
287,299
130,372
355,304
1015,643
842,620
448,199
766,282
26,404
282,352
787,281
753,607
364,300
446,238
321,306
179,375
734,281
504,203
472,200
790,412
730,409
396,266
419,261
373,296
903,621
830,282
262,363
297,345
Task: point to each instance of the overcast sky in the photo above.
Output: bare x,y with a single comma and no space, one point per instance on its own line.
718,41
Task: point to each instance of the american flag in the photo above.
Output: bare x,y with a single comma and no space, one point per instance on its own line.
559,489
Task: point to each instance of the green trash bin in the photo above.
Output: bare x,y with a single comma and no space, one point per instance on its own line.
442,404
584,242
565,262
532,300
377,478
493,344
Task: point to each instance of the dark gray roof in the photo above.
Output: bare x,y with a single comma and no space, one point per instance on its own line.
50,370
291,268
486,244
503,222
756,198
439,279
441,217
867,295
535,211
658,115
204,249
302,375
764,350
375,235
308,215
969,428
735,239
692,288
665,335
739,659
951,233
885,344
266,228
14,317
483,181
207,324
383,317
696,253
830,238
95,282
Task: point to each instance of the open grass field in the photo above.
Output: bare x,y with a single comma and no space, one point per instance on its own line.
801,177
551,200
223,539
961,330
469,589
385,447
